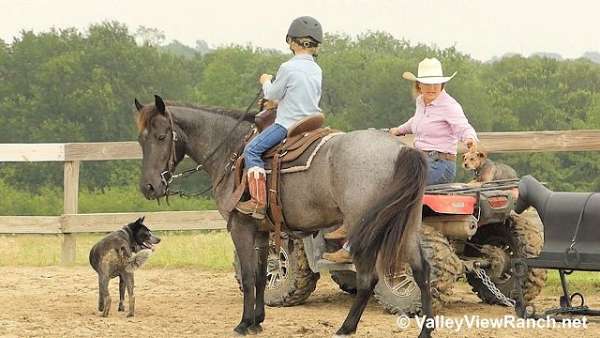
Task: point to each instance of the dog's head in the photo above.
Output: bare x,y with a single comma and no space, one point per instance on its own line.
142,236
473,160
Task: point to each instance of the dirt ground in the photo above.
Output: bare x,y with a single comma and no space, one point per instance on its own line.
61,302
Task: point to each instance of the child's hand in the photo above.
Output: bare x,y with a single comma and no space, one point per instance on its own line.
265,78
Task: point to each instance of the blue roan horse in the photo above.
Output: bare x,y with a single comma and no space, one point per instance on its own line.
368,180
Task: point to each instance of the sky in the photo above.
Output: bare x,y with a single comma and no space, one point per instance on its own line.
481,28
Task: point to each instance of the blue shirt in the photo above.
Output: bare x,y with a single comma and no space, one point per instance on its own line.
297,87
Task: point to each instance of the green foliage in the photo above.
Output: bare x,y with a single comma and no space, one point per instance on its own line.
230,75
48,201
64,86
72,86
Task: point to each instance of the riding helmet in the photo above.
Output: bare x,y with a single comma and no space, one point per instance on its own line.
305,26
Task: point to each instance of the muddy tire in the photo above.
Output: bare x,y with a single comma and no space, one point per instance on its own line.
346,280
399,294
521,236
290,281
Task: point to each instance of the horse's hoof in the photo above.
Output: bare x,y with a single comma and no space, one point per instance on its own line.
255,329
425,335
341,334
121,308
240,331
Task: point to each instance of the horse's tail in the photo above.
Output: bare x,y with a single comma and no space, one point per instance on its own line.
381,230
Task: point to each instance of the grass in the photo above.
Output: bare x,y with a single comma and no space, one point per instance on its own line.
579,281
207,250
49,201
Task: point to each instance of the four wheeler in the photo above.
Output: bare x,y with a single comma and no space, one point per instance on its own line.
468,231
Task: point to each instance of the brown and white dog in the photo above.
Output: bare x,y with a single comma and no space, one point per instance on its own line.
486,170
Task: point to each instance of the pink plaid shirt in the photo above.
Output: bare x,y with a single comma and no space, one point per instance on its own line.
439,125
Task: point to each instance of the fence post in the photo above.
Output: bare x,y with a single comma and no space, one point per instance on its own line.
71,194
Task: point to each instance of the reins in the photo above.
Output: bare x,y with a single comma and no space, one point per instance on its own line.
167,176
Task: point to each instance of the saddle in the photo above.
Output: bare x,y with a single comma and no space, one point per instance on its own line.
301,139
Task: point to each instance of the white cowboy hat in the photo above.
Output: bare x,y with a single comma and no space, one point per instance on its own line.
429,72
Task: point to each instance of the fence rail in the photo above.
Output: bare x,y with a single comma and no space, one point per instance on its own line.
106,222
72,154
495,142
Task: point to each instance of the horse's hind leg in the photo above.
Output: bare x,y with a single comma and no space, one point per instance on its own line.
262,250
365,283
243,234
421,273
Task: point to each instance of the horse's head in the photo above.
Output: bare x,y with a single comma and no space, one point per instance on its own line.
158,137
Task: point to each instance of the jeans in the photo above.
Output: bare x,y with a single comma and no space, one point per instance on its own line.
440,171
264,141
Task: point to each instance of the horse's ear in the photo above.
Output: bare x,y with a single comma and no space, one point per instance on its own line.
159,104
138,105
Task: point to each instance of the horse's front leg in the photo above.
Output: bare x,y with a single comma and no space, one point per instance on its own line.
243,234
262,250
365,283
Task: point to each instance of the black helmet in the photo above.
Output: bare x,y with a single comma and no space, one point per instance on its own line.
305,26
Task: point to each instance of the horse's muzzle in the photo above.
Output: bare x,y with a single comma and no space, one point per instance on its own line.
151,191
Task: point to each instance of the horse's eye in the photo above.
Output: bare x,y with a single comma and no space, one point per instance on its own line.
162,137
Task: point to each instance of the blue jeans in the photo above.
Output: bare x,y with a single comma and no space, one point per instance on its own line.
440,171
264,141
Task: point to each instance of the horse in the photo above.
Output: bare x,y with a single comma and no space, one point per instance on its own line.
366,179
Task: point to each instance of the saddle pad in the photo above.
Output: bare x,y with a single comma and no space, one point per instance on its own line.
303,162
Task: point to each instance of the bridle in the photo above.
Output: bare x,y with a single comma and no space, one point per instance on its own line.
167,176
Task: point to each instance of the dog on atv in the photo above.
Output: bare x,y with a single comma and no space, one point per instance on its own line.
118,255
486,170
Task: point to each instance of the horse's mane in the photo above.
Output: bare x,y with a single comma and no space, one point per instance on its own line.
148,111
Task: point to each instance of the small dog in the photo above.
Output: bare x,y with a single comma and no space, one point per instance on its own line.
485,169
119,254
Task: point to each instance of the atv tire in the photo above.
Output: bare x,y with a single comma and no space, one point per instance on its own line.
522,237
399,294
290,281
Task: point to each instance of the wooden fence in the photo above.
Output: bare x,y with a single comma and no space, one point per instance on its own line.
72,154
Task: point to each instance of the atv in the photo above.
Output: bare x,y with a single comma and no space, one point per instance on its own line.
467,231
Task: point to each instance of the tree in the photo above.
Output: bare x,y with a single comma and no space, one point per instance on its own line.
70,86
150,36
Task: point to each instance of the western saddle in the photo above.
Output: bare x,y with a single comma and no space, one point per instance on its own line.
300,137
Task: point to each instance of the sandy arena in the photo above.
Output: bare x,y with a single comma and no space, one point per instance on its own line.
61,302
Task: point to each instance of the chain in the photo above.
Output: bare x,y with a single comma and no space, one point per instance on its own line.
482,275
